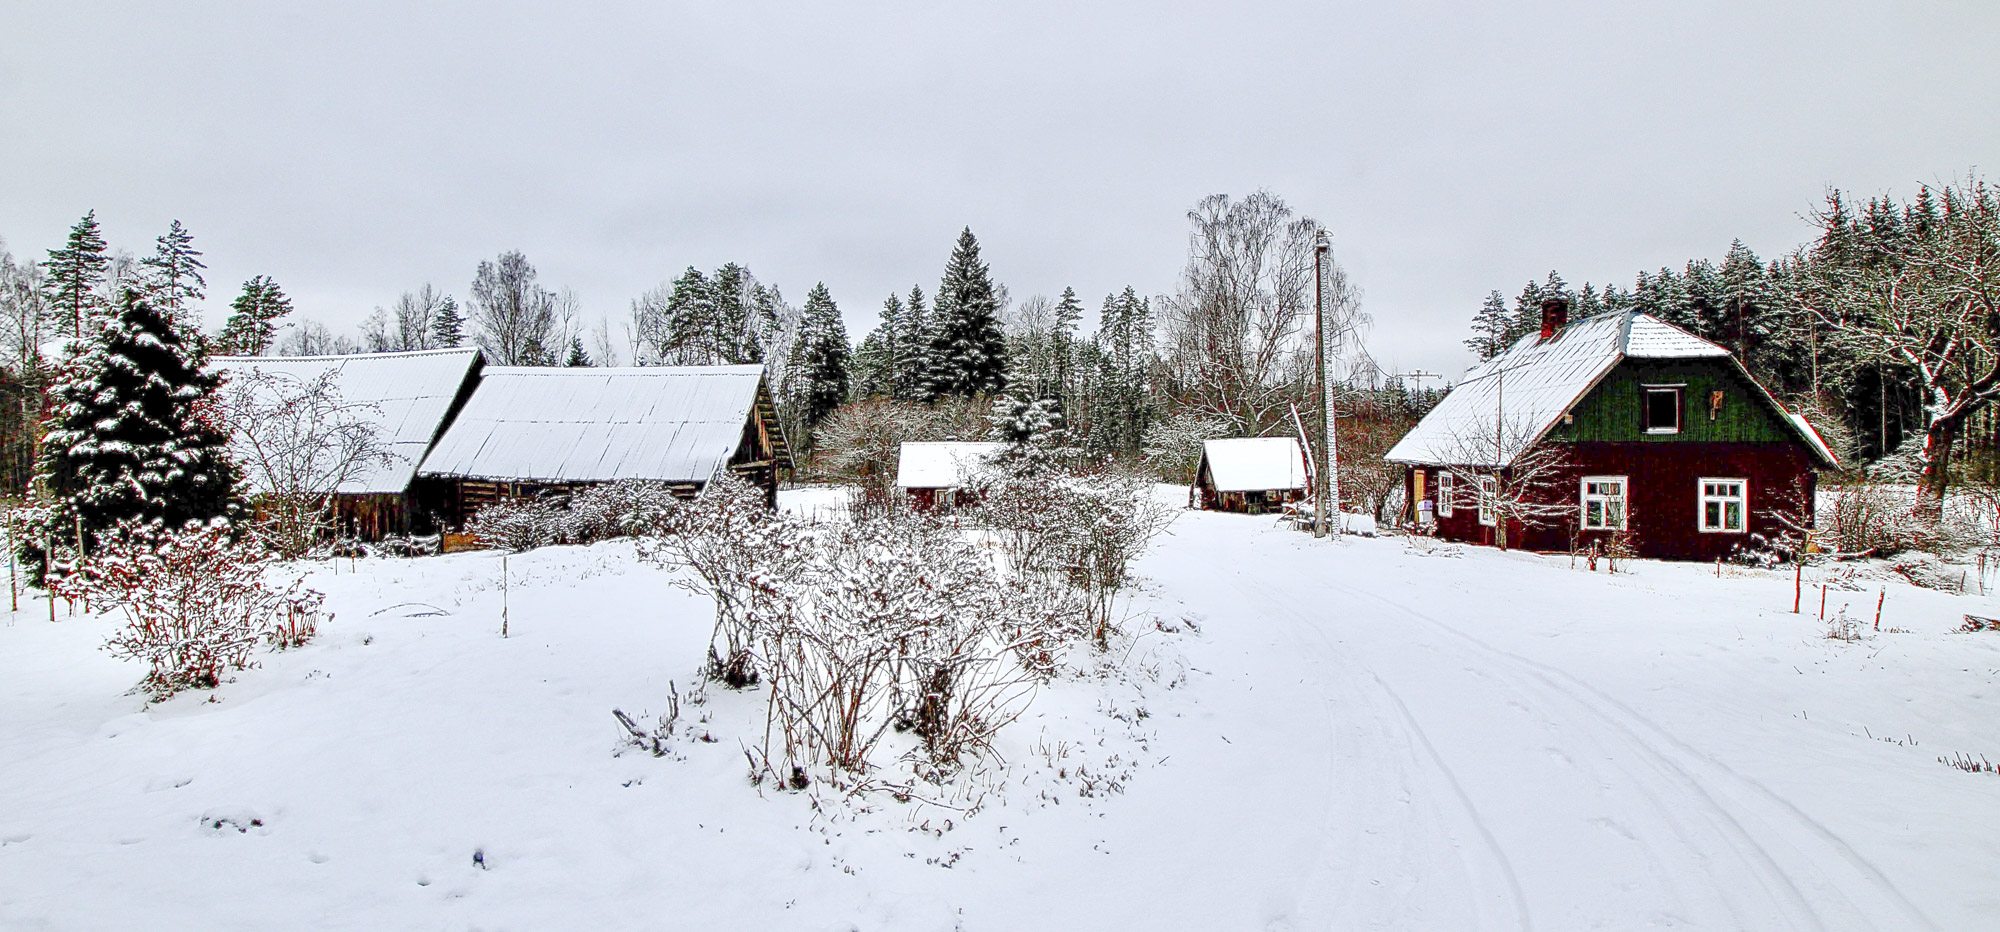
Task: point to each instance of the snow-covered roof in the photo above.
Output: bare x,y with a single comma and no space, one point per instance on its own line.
406,395
1812,436
535,424
1533,383
940,465
1255,464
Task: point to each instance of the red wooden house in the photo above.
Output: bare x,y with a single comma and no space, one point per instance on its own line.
1633,425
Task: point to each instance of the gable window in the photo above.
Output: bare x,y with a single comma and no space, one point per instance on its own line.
1723,502
1444,494
1662,409
1603,503
1488,488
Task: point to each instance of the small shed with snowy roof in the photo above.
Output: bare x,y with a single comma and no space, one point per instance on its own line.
407,398
1620,428
527,430
936,474
1249,474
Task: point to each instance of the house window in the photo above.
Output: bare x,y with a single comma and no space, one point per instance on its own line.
1444,495
1663,409
1723,503
1488,489
1604,503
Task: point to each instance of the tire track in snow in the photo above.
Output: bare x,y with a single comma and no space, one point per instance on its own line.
1628,722
1416,751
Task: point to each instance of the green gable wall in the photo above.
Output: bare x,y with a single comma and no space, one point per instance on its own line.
1611,411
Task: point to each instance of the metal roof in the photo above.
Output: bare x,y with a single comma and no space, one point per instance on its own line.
407,396
1507,403
1255,464
533,424
940,465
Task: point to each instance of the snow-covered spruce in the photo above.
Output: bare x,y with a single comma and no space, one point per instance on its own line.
134,434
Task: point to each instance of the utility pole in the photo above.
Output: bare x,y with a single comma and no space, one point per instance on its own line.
1326,501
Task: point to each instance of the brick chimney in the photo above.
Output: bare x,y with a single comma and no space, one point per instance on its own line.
1555,314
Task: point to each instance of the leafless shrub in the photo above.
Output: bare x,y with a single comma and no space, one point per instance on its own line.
1082,531
298,442
729,539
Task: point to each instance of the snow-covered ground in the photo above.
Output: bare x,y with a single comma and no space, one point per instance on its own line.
1352,734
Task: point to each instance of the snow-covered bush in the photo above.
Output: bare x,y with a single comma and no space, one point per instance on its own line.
589,515
618,509
520,523
1172,445
730,539
195,601
1079,530
1880,520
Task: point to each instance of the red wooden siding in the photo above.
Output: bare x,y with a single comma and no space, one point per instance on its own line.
1662,496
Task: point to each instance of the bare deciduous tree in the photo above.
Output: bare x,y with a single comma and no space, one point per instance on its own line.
1927,298
1509,477
516,320
1238,332
298,441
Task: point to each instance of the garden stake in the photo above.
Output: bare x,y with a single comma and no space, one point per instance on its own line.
1879,598
503,595
1798,584
1822,601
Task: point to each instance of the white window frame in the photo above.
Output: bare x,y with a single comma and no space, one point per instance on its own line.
1741,498
1444,484
1646,406
1489,489
1585,497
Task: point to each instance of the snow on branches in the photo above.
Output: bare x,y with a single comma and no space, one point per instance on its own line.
195,602
298,441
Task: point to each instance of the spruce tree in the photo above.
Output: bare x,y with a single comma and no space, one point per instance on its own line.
173,281
968,348
73,273
825,357
132,435
578,359
252,323
875,361
1490,327
913,347
447,325
1069,316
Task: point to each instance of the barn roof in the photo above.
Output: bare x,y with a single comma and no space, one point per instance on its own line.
407,397
1255,464
1533,383
940,465
535,424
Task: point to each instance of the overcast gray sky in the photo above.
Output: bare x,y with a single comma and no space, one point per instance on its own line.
358,150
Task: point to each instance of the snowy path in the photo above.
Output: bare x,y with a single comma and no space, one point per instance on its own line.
1473,787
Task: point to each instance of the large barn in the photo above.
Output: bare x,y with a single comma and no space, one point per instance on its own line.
407,397
1639,428
1250,474
528,430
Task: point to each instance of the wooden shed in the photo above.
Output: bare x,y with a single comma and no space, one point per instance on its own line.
529,430
1249,474
936,475
1644,431
408,398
